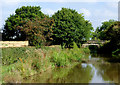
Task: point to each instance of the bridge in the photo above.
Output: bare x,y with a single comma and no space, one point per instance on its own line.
94,42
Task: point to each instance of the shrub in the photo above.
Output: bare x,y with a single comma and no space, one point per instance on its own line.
116,53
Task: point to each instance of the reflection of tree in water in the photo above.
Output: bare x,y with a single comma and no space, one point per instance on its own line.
109,72
78,74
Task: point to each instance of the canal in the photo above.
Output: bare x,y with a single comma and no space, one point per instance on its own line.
95,70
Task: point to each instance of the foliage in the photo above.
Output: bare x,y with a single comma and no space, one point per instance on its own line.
113,32
69,27
27,61
10,32
100,32
66,56
38,31
15,54
116,53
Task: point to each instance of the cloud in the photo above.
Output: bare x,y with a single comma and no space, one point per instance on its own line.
86,12
104,20
49,11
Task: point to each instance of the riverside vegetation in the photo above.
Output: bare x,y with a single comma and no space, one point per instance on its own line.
66,27
26,61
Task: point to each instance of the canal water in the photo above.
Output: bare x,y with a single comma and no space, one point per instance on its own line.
96,70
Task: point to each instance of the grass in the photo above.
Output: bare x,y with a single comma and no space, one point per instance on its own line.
19,63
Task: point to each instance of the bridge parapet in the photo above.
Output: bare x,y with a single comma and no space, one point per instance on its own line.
96,41
86,45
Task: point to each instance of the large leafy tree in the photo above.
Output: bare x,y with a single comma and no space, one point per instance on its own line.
69,27
100,32
10,32
38,31
113,33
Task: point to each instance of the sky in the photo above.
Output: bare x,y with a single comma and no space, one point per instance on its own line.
96,11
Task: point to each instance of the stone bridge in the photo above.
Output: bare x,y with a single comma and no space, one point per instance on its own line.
94,42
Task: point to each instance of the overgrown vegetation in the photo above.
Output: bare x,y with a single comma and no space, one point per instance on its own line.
27,61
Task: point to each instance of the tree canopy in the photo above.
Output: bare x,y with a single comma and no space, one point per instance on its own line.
38,31
113,33
100,32
69,27
10,31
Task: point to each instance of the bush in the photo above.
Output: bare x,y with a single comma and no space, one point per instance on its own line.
116,53
59,58
64,57
13,55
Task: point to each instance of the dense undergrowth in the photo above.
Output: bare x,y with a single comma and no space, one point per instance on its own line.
19,63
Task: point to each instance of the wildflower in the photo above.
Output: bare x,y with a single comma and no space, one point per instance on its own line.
20,59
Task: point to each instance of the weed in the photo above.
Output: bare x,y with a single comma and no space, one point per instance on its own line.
29,61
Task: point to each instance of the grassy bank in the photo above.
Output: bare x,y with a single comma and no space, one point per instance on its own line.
19,63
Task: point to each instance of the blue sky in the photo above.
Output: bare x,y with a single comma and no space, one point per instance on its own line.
95,11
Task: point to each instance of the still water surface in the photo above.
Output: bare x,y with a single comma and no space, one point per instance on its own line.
96,71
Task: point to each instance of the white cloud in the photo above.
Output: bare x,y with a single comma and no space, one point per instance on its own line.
104,20
49,11
85,12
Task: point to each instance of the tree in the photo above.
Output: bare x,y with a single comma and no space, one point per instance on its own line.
100,31
10,32
69,27
113,33
38,31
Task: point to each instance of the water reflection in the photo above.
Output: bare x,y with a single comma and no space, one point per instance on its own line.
108,72
81,73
